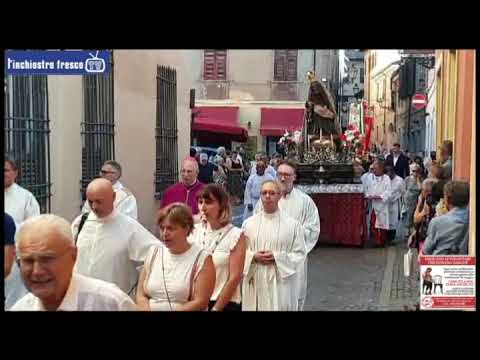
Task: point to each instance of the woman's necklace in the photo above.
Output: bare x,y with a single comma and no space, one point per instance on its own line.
219,237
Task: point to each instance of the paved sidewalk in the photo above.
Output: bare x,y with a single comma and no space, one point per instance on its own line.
399,292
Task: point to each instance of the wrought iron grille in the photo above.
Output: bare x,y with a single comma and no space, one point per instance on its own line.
166,137
98,131
27,130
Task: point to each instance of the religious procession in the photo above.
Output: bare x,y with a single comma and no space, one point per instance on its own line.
316,190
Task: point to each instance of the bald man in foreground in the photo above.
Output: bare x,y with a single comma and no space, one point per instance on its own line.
111,246
46,256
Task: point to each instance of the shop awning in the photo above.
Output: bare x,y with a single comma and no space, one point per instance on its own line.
275,121
219,119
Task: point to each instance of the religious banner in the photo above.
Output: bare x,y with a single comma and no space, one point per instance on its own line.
447,282
368,131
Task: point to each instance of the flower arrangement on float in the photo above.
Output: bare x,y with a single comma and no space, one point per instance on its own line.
290,141
351,138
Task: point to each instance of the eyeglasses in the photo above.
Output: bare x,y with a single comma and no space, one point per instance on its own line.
44,261
266,192
280,174
104,172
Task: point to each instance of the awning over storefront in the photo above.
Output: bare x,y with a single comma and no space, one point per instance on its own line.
275,121
219,120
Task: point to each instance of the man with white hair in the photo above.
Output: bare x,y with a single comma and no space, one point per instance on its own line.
187,189
111,246
125,201
46,256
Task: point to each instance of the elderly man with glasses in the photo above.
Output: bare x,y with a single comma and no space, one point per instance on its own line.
125,201
46,257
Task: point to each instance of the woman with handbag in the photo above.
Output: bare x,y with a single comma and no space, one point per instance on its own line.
178,276
225,242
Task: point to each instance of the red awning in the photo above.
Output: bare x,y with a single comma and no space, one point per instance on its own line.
218,119
275,121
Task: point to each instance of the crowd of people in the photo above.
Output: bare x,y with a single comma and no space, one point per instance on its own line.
417,199
199,261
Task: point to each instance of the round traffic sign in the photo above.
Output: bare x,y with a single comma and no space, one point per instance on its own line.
419,101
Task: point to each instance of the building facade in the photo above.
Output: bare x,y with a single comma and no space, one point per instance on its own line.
352,87
456,118
86,120
261,92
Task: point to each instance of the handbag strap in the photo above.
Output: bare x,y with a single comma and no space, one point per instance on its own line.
192,275
148,267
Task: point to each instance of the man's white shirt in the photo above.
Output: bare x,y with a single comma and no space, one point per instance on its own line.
83,294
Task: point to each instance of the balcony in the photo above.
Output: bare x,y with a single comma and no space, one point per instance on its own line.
216,89
285,90
261,91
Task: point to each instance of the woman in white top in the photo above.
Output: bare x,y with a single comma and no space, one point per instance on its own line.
178,276
225,242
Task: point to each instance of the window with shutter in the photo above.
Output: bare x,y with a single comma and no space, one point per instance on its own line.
215,65
285,65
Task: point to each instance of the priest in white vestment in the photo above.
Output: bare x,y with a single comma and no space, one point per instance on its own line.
275,252
377,191
111,246
302,208
21,205
125,201
253,187
394,205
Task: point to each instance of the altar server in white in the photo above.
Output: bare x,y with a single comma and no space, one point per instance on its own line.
125,201
252,189
275,252
302,208
394,205
377,191
111,246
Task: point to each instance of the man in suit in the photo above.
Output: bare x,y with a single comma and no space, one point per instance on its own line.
398,161
450,231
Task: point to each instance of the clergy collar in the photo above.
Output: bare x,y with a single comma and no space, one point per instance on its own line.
107,218
70,300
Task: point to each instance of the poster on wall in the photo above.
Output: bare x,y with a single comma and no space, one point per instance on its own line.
447,282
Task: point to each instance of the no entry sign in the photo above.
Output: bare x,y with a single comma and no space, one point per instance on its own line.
419,101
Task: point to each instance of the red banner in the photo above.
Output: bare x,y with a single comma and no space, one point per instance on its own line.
368,131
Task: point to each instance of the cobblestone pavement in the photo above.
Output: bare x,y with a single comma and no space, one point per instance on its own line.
359,279
404,291
345,279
